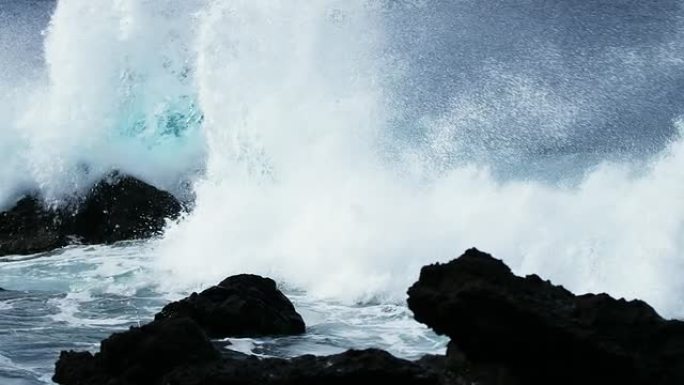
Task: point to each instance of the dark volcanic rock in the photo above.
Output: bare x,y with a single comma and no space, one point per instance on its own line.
505,330
370,366
240,306
122,208
117,208
177,352
30,228
139,356
543,334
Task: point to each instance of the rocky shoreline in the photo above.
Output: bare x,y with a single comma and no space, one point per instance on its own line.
504,330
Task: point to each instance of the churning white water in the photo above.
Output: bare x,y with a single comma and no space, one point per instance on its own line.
303,181
338,146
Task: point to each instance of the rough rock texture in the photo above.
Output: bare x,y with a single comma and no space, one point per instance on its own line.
240,306
117,208
505,330
176,352
535,333
370,366
29,228
174,349
122,208
139,355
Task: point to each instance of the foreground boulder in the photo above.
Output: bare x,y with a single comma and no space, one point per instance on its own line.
117,208
140,355
240,306
175,350
371,366
504,329
536,333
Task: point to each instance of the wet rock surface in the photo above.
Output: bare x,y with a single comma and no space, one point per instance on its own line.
369,366
175,350
140,355
504,330
117,208
123,208
540,333
240,306
29,228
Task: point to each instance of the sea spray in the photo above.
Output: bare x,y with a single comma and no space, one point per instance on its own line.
299,187
338,146
341,145
118,93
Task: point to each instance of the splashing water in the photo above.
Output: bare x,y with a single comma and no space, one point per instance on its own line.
338,146
304,183
107,101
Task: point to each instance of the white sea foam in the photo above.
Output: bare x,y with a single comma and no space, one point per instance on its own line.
290,107
298,185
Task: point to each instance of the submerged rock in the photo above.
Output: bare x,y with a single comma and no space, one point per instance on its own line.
241,306
539,333
117,208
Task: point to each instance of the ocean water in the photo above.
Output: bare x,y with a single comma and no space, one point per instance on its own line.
338,146
72,299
